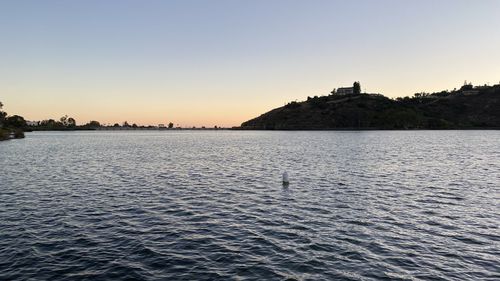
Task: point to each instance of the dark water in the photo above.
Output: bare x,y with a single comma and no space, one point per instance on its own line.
409,205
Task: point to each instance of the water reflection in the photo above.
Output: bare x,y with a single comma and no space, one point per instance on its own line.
211,205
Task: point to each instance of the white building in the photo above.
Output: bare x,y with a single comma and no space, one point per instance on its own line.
345,91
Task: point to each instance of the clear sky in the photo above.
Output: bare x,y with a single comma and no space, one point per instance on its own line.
222,62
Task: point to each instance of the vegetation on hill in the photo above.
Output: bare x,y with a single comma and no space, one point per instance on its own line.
467,107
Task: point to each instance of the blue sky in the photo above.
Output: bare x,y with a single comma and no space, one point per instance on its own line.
223,62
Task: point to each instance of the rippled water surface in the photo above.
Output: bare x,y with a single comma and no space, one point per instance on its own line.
187,205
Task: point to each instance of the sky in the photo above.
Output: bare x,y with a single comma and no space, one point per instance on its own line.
222,62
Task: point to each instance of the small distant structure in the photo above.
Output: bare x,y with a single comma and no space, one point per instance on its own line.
343,91
468,89
32,123
470,92
161,125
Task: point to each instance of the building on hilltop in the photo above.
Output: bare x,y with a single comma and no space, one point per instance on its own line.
354,90
470,92
345,91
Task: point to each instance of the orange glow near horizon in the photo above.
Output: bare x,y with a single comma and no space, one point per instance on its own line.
196,111
219,108
223,63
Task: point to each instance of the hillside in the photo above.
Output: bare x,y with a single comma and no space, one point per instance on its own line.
467,108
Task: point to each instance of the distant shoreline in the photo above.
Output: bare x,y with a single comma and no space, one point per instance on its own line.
278,130
376,129
345,109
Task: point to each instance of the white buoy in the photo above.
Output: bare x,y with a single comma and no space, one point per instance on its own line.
285,178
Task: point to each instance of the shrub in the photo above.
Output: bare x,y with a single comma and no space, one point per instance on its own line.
19,134
4,134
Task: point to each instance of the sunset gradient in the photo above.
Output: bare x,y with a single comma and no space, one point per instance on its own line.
206,63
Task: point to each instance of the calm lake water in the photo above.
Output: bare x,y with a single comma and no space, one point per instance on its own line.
209,205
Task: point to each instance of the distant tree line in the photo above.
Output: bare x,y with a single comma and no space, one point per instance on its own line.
15,125
68,123
11,126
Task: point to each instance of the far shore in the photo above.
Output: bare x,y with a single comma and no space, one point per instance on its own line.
278,130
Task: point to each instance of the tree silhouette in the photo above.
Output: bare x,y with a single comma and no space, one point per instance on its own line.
92,125
15,121
467,86
71,122
64,120
356,88
2,115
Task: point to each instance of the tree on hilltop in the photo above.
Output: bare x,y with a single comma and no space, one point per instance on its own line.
356,88
467,86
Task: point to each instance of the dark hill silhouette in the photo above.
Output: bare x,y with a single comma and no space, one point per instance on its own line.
467,108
